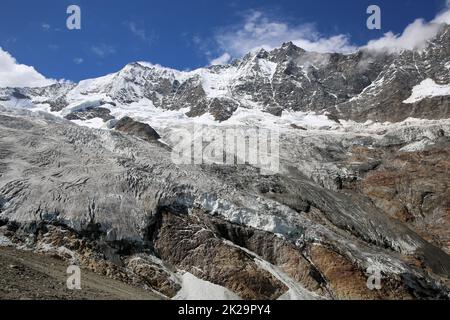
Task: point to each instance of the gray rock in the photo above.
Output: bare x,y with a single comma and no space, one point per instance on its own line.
138,129
91,113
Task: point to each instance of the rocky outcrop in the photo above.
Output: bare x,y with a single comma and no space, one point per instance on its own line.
223,109
91,113
138,129
337,270
186,244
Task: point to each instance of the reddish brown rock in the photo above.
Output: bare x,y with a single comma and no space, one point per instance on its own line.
187,243
347,282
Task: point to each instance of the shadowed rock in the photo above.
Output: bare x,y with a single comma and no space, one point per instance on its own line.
138,129
91,113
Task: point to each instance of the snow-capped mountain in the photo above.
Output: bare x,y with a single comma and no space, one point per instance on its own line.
366,85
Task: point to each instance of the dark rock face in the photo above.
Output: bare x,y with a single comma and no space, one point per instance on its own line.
275,250
383,99
412,186
189,246
222,109
16,94
153,275
57,104
91,113
138,129
337,271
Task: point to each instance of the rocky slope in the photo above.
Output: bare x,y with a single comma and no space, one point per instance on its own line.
26,275
117,204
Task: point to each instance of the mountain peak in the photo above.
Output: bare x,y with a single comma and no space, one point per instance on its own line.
443,35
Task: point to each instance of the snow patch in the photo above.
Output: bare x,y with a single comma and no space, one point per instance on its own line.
216,84
95,123
20,103
372,89
194,288
5,242
428,89
268,68
258,118
309,120
253,217
417,146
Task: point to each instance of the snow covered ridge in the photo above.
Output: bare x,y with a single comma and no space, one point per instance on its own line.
286,88
216,81
194,288
428,89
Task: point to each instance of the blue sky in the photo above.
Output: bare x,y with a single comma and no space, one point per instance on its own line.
183,34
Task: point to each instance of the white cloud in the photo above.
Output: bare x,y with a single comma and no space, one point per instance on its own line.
415,35
258,31
13,74
140,33
444,16
78,60
223,59
45,26
102,50
338,43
